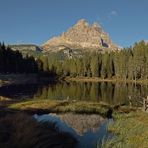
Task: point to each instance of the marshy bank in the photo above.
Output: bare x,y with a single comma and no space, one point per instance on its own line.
80,130
55,106
79,98
131,130
128,122
18,125
99,79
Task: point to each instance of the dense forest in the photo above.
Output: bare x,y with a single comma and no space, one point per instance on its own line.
13,62
129,63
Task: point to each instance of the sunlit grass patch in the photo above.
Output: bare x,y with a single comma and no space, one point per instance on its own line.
83,107
131,130
62,106
4,98
43,104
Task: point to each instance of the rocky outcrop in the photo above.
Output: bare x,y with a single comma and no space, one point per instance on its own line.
27,47
82,36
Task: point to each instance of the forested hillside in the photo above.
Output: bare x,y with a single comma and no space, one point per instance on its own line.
14,62
130,63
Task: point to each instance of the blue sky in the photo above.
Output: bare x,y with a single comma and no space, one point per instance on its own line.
35,21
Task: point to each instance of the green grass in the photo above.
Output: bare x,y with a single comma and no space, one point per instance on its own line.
130,127
62,106
56,106
131,131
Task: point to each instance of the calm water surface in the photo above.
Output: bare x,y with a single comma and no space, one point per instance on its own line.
87,129
111,93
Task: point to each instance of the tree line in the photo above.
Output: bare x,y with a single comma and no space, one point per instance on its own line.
129,63
13,61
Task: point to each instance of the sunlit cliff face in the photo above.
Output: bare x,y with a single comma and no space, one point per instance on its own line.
84,36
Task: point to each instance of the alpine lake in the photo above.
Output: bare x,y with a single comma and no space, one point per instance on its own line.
88,129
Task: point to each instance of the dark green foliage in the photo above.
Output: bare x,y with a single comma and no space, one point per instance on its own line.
13,62
130,63
16,63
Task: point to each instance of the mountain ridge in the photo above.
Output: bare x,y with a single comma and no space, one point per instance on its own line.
81,36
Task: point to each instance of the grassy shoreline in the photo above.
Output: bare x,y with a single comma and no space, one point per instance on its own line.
80,107
131,130
6,79
130,126
55,106
18,79
95,79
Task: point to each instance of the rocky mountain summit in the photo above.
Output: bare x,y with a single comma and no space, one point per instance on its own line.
82,36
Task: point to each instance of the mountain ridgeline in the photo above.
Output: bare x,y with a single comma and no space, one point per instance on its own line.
75,42
88,38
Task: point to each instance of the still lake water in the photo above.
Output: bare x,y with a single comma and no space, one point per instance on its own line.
111,93
87,129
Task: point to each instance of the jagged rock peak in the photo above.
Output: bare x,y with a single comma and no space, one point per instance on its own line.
82,23
83,36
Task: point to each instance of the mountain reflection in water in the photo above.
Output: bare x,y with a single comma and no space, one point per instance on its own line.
87,129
